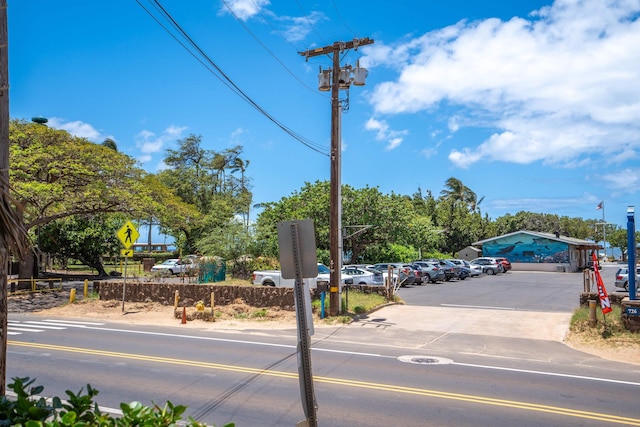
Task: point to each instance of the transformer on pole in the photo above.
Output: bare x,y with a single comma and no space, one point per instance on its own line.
334,79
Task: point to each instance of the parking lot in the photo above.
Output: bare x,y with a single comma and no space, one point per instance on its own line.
516,304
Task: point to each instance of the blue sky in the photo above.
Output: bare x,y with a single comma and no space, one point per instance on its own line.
534,105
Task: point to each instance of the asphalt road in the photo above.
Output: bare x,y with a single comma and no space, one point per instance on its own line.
449,368
361,378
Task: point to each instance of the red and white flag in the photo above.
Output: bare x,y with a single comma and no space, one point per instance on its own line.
600,205
605,304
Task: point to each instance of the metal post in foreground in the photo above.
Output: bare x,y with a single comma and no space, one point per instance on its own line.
592,313
124,282
631,249
304,342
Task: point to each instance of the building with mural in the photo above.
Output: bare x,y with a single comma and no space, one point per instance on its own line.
532,250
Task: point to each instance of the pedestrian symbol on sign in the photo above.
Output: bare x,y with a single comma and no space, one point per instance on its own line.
128,235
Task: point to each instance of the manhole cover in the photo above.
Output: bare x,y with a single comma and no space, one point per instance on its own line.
425,360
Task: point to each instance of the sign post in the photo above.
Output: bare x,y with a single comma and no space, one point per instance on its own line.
128,236
297,244
631,250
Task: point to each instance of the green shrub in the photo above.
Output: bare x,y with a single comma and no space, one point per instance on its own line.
358,309
29,410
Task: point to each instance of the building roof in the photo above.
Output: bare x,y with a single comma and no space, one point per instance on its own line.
551,236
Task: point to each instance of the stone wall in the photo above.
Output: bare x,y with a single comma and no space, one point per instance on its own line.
615,298
164,293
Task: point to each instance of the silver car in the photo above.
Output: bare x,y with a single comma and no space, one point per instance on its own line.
364,276
474,270
432,271
489,265
622,278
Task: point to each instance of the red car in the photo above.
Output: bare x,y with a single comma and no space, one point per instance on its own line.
506,264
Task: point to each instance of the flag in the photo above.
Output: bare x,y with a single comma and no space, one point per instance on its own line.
605,304
600,205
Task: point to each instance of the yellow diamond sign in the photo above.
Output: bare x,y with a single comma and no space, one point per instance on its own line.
128,234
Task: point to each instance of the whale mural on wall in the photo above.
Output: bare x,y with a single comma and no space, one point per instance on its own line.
521,247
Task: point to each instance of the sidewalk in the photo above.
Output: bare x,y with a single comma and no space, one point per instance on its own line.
473,321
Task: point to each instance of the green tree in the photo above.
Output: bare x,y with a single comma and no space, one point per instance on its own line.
56,175
547,223
207,180
458,193
371,221
618,238
82,237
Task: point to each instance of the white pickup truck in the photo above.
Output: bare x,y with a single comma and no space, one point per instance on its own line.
274,278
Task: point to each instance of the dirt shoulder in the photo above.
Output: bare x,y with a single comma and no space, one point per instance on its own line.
618,350
234,316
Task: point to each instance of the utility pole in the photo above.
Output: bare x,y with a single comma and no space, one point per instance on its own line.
13,234
340,78
4,184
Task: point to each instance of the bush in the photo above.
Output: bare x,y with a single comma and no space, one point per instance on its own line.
30,410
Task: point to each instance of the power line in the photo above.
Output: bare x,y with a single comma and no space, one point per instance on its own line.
335,6
267,49
221,75
309,22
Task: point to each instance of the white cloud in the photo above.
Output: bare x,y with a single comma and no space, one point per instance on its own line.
79,129
540,204
299,27
236,135
454,124
624,181
175,131
558,87
149,143
244,9
385,133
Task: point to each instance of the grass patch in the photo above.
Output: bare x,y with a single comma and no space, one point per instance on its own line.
353,303
609,330
259,314
92,296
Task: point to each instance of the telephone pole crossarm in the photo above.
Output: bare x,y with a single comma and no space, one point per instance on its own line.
339,46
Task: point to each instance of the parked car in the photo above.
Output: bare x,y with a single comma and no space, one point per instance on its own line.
174,266
274,278
475,269
464,266
417,272
451,271
405,275
363,275
489,265
506,264
622,278
432,271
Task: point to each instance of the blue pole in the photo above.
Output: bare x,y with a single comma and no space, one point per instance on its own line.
322,296
631,245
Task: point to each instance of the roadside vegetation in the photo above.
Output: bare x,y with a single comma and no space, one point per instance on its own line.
29,409
608,332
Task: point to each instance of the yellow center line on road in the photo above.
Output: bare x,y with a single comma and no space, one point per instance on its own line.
348,383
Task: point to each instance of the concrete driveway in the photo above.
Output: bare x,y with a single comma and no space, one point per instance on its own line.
518,304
